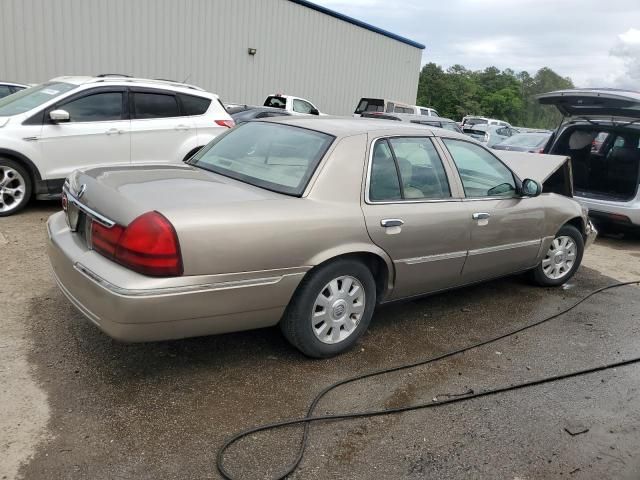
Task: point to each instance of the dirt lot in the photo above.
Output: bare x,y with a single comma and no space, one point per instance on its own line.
76,405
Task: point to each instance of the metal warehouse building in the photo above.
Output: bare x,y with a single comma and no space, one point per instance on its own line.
300,48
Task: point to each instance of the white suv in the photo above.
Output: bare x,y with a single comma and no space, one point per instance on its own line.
50,130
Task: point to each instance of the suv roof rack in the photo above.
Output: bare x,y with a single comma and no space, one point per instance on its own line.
128,78
103,75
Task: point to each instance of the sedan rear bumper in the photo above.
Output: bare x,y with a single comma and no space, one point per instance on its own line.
134,308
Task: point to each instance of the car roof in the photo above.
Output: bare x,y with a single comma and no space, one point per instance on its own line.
413,116
347,126
126,80
13,84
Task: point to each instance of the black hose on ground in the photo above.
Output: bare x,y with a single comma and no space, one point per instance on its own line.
309,418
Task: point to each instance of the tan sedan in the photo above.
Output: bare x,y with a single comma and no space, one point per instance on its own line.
309,223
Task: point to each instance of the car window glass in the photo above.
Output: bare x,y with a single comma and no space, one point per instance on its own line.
482,174
451,126
270,155
421,170
33,97
99,107
424,111
5,90
154,105
301,106
276,102
384,184
503,131
192,105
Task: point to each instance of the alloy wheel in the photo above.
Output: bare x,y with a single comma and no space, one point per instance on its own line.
338,309
560,257
12,188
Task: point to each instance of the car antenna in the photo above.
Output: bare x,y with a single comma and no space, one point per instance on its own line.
188,77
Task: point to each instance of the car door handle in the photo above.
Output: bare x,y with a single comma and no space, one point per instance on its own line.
480,215
391,222
114,131
182,127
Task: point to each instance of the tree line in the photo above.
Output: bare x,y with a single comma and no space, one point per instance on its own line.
493,93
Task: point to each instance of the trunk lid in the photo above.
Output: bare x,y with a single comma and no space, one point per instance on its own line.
124,193
594,102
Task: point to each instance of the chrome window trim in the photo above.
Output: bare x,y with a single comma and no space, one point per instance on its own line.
507,246
101,219
367,185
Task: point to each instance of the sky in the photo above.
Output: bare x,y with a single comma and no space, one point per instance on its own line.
595,42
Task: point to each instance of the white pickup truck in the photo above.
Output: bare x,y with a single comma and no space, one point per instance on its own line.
293,105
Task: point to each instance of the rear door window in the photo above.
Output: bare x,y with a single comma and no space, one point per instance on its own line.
193,105
154,105
407,168
369,105
275,102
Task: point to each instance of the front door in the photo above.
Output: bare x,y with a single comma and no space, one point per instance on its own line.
97,133
506,228
414,213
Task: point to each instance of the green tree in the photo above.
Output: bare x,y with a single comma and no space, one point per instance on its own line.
491,92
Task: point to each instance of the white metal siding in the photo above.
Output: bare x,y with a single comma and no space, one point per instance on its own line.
299,51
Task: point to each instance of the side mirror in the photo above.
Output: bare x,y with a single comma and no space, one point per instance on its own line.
531,188
314,111
59,116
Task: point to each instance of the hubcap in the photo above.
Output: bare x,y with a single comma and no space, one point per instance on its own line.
12,188
560,258
338,309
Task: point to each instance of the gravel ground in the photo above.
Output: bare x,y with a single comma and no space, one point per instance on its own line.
77,405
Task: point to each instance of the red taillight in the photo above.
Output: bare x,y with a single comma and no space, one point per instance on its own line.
226,123
148,245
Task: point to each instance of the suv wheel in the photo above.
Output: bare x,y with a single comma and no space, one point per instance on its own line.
562,259
331,309
15,187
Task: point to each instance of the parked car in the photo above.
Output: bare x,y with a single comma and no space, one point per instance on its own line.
525,142
471,121
601,134
308,223
391,106
445,123
490,135
7,88
49,130
246,113
293,105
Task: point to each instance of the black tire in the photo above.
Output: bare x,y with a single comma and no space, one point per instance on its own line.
538,275
296,324
14,205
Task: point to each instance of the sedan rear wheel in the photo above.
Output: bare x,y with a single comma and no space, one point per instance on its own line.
562,259
331,309
15,187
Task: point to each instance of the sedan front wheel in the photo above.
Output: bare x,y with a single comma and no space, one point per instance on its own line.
562,259
331,309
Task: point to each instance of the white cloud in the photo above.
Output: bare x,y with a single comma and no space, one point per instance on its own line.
581,39
627,52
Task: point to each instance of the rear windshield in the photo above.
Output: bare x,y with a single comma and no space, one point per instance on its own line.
370,105
277,157
475,121
275,102
528,140
33,97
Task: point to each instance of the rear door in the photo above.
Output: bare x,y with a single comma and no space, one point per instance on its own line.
97,133
506,229
414,213
159,132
